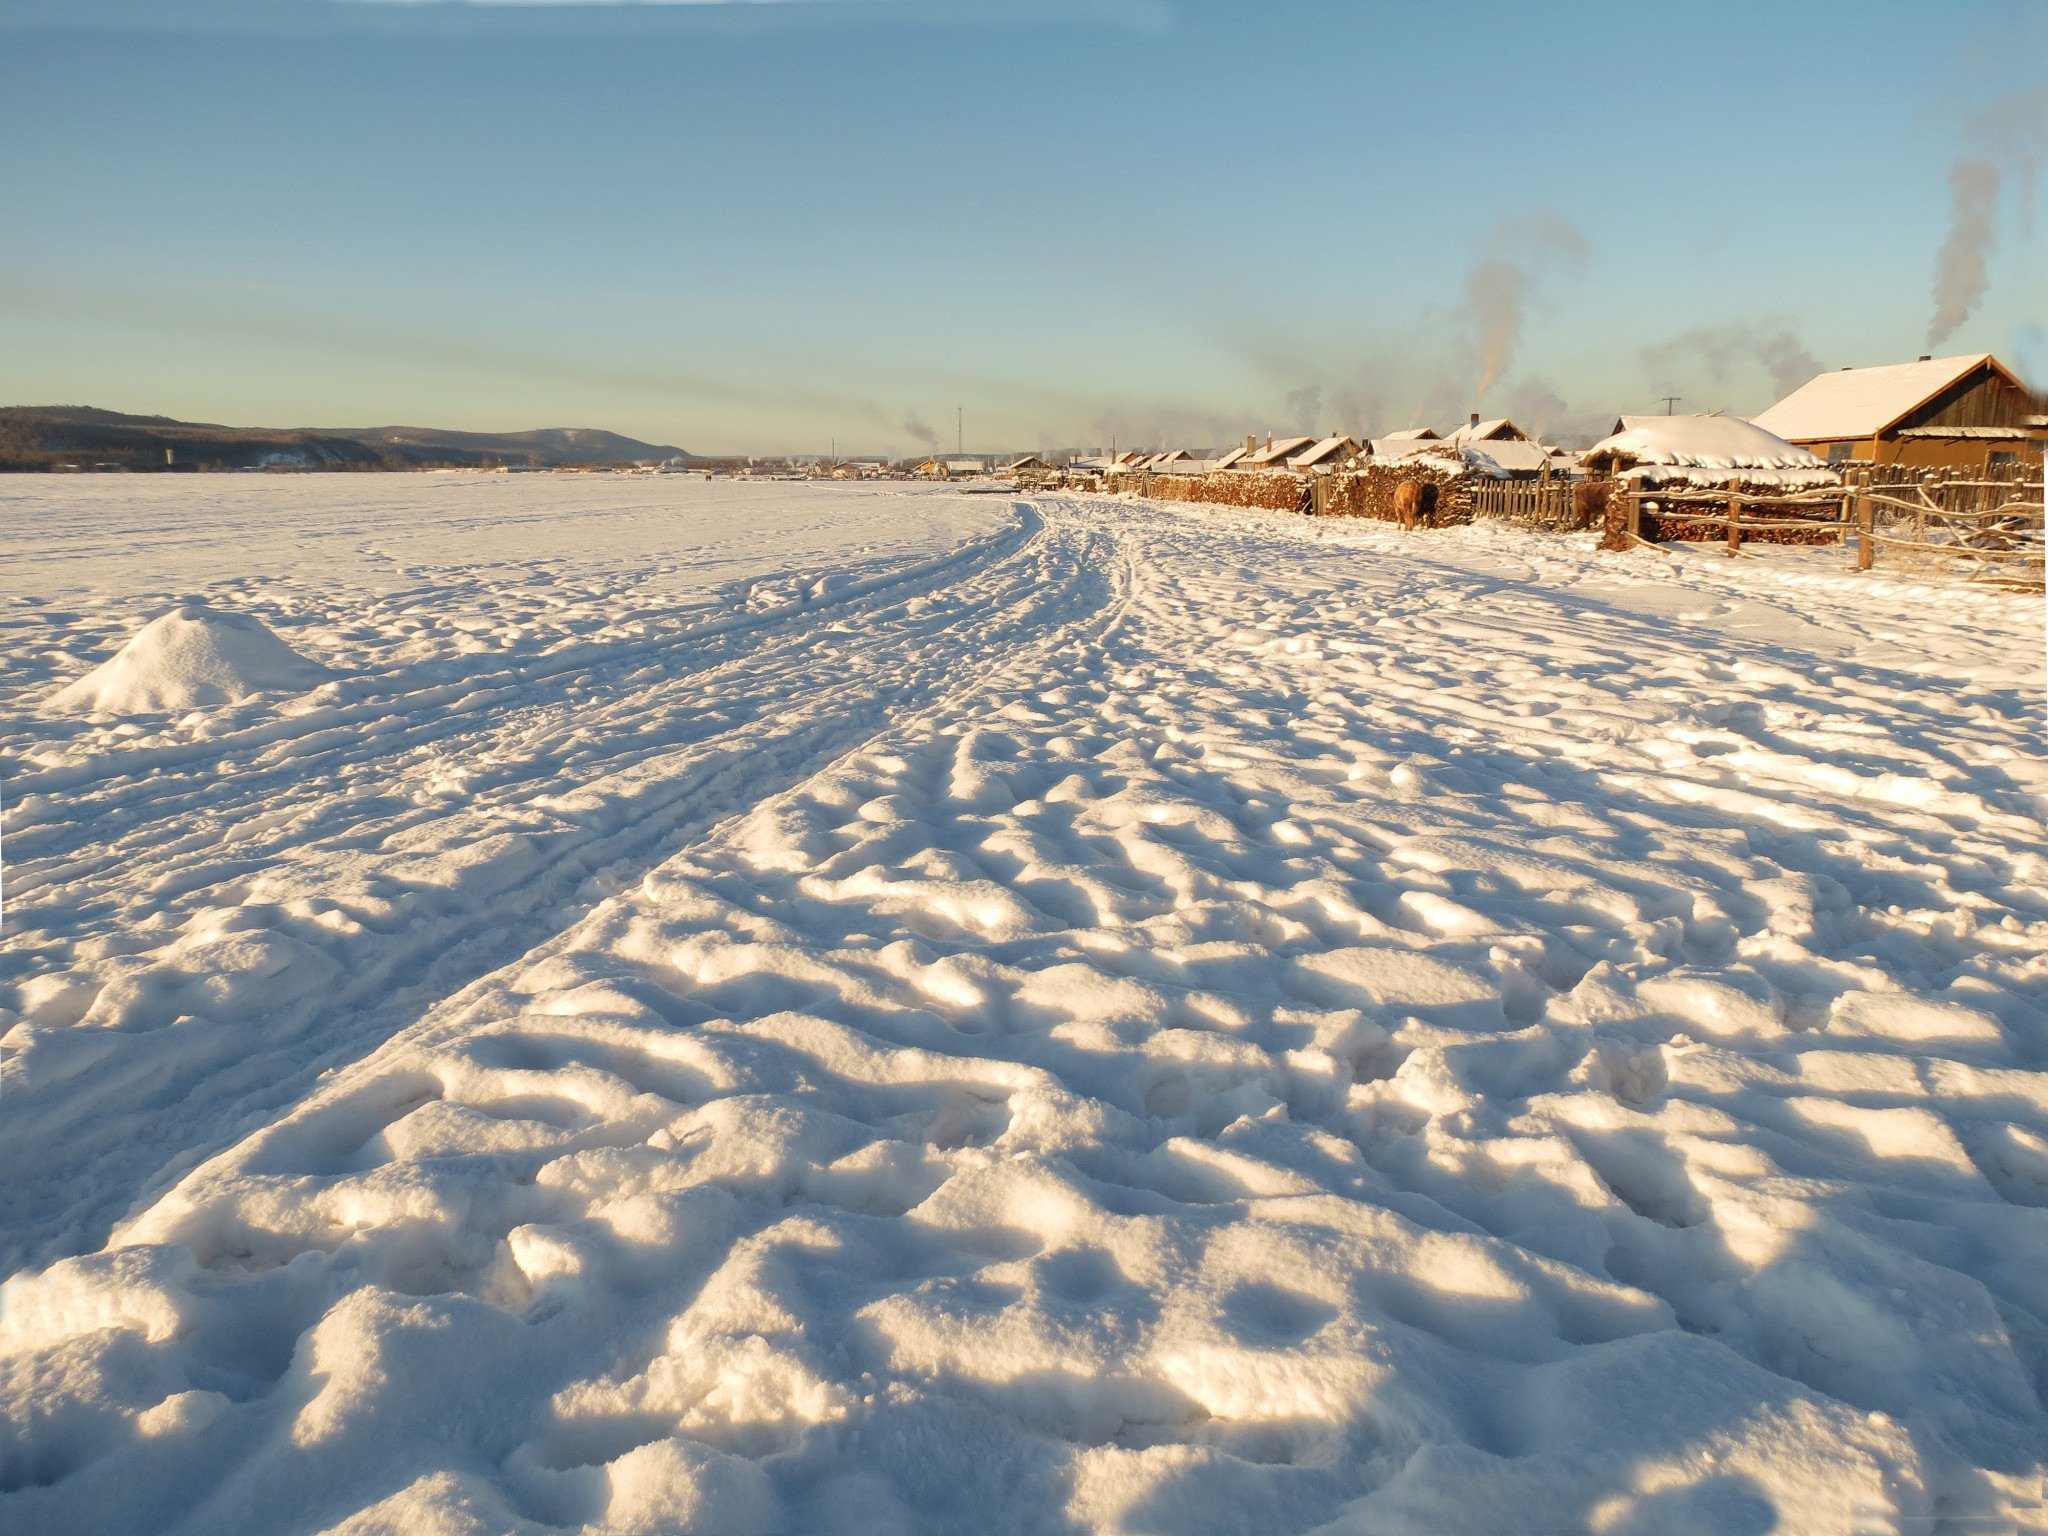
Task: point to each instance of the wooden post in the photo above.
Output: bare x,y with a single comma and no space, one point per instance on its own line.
1635,514
1734,526
1866,522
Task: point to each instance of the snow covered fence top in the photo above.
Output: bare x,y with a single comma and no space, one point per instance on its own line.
1707,451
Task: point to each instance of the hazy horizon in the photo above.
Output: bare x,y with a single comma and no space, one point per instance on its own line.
761,228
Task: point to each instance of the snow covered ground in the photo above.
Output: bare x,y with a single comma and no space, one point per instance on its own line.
788,1009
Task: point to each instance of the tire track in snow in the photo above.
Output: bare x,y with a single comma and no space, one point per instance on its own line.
378,912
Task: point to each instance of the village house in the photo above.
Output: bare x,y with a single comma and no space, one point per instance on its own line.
1328,454
1275,454
1406,443
1966,412
1499,430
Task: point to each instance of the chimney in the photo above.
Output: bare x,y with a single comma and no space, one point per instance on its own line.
1269,442
1926,357
1475,418
1251,442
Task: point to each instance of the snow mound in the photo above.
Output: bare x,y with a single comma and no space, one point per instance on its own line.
189,658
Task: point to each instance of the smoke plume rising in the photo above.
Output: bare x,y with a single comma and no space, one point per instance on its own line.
2011,136
1720,350
921,432
1960,271
1499,285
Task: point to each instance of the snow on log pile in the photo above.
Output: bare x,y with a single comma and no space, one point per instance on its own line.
1685,456
1264,1027
1707,453
189,658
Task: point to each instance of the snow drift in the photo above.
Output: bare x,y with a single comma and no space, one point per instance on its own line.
191,658
1161,1020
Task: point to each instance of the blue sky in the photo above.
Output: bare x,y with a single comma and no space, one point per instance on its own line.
773,227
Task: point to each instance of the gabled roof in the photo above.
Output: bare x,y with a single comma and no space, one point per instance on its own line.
1410,435
1862,402
1029,461
1328,448
1282,448
1500,429
1231,458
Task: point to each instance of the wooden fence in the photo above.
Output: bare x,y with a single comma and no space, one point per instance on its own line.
1986,527
1547,505
1985,530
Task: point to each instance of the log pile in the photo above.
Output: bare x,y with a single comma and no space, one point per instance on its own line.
1276,490
1669,530
1369,492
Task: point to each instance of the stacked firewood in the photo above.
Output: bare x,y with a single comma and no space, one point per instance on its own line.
1369,492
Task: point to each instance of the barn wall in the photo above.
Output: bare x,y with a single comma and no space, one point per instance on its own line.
1952,453
1979,399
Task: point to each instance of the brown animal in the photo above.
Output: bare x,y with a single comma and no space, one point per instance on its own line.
1414,500
1589,503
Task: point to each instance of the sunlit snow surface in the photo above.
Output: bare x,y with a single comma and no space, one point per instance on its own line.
772,1009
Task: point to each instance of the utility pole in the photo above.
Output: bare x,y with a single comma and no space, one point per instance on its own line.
959,433
1670,401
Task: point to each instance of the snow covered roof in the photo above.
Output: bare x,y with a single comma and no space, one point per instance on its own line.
1397,445
1499,429
1862,402
1409,435
1279,450
1507,456
1700,442
1231,457
1318,453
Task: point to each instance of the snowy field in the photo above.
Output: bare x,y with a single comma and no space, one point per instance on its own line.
778,1009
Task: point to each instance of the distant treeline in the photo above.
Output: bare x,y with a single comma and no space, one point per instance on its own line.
63,437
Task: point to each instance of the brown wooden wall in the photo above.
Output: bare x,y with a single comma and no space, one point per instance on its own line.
1981,398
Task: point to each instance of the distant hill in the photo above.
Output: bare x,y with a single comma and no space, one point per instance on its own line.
547,445
43,437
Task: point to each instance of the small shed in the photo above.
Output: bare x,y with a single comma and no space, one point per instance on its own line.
1968,412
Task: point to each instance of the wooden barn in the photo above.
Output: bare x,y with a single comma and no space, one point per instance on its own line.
1961,412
